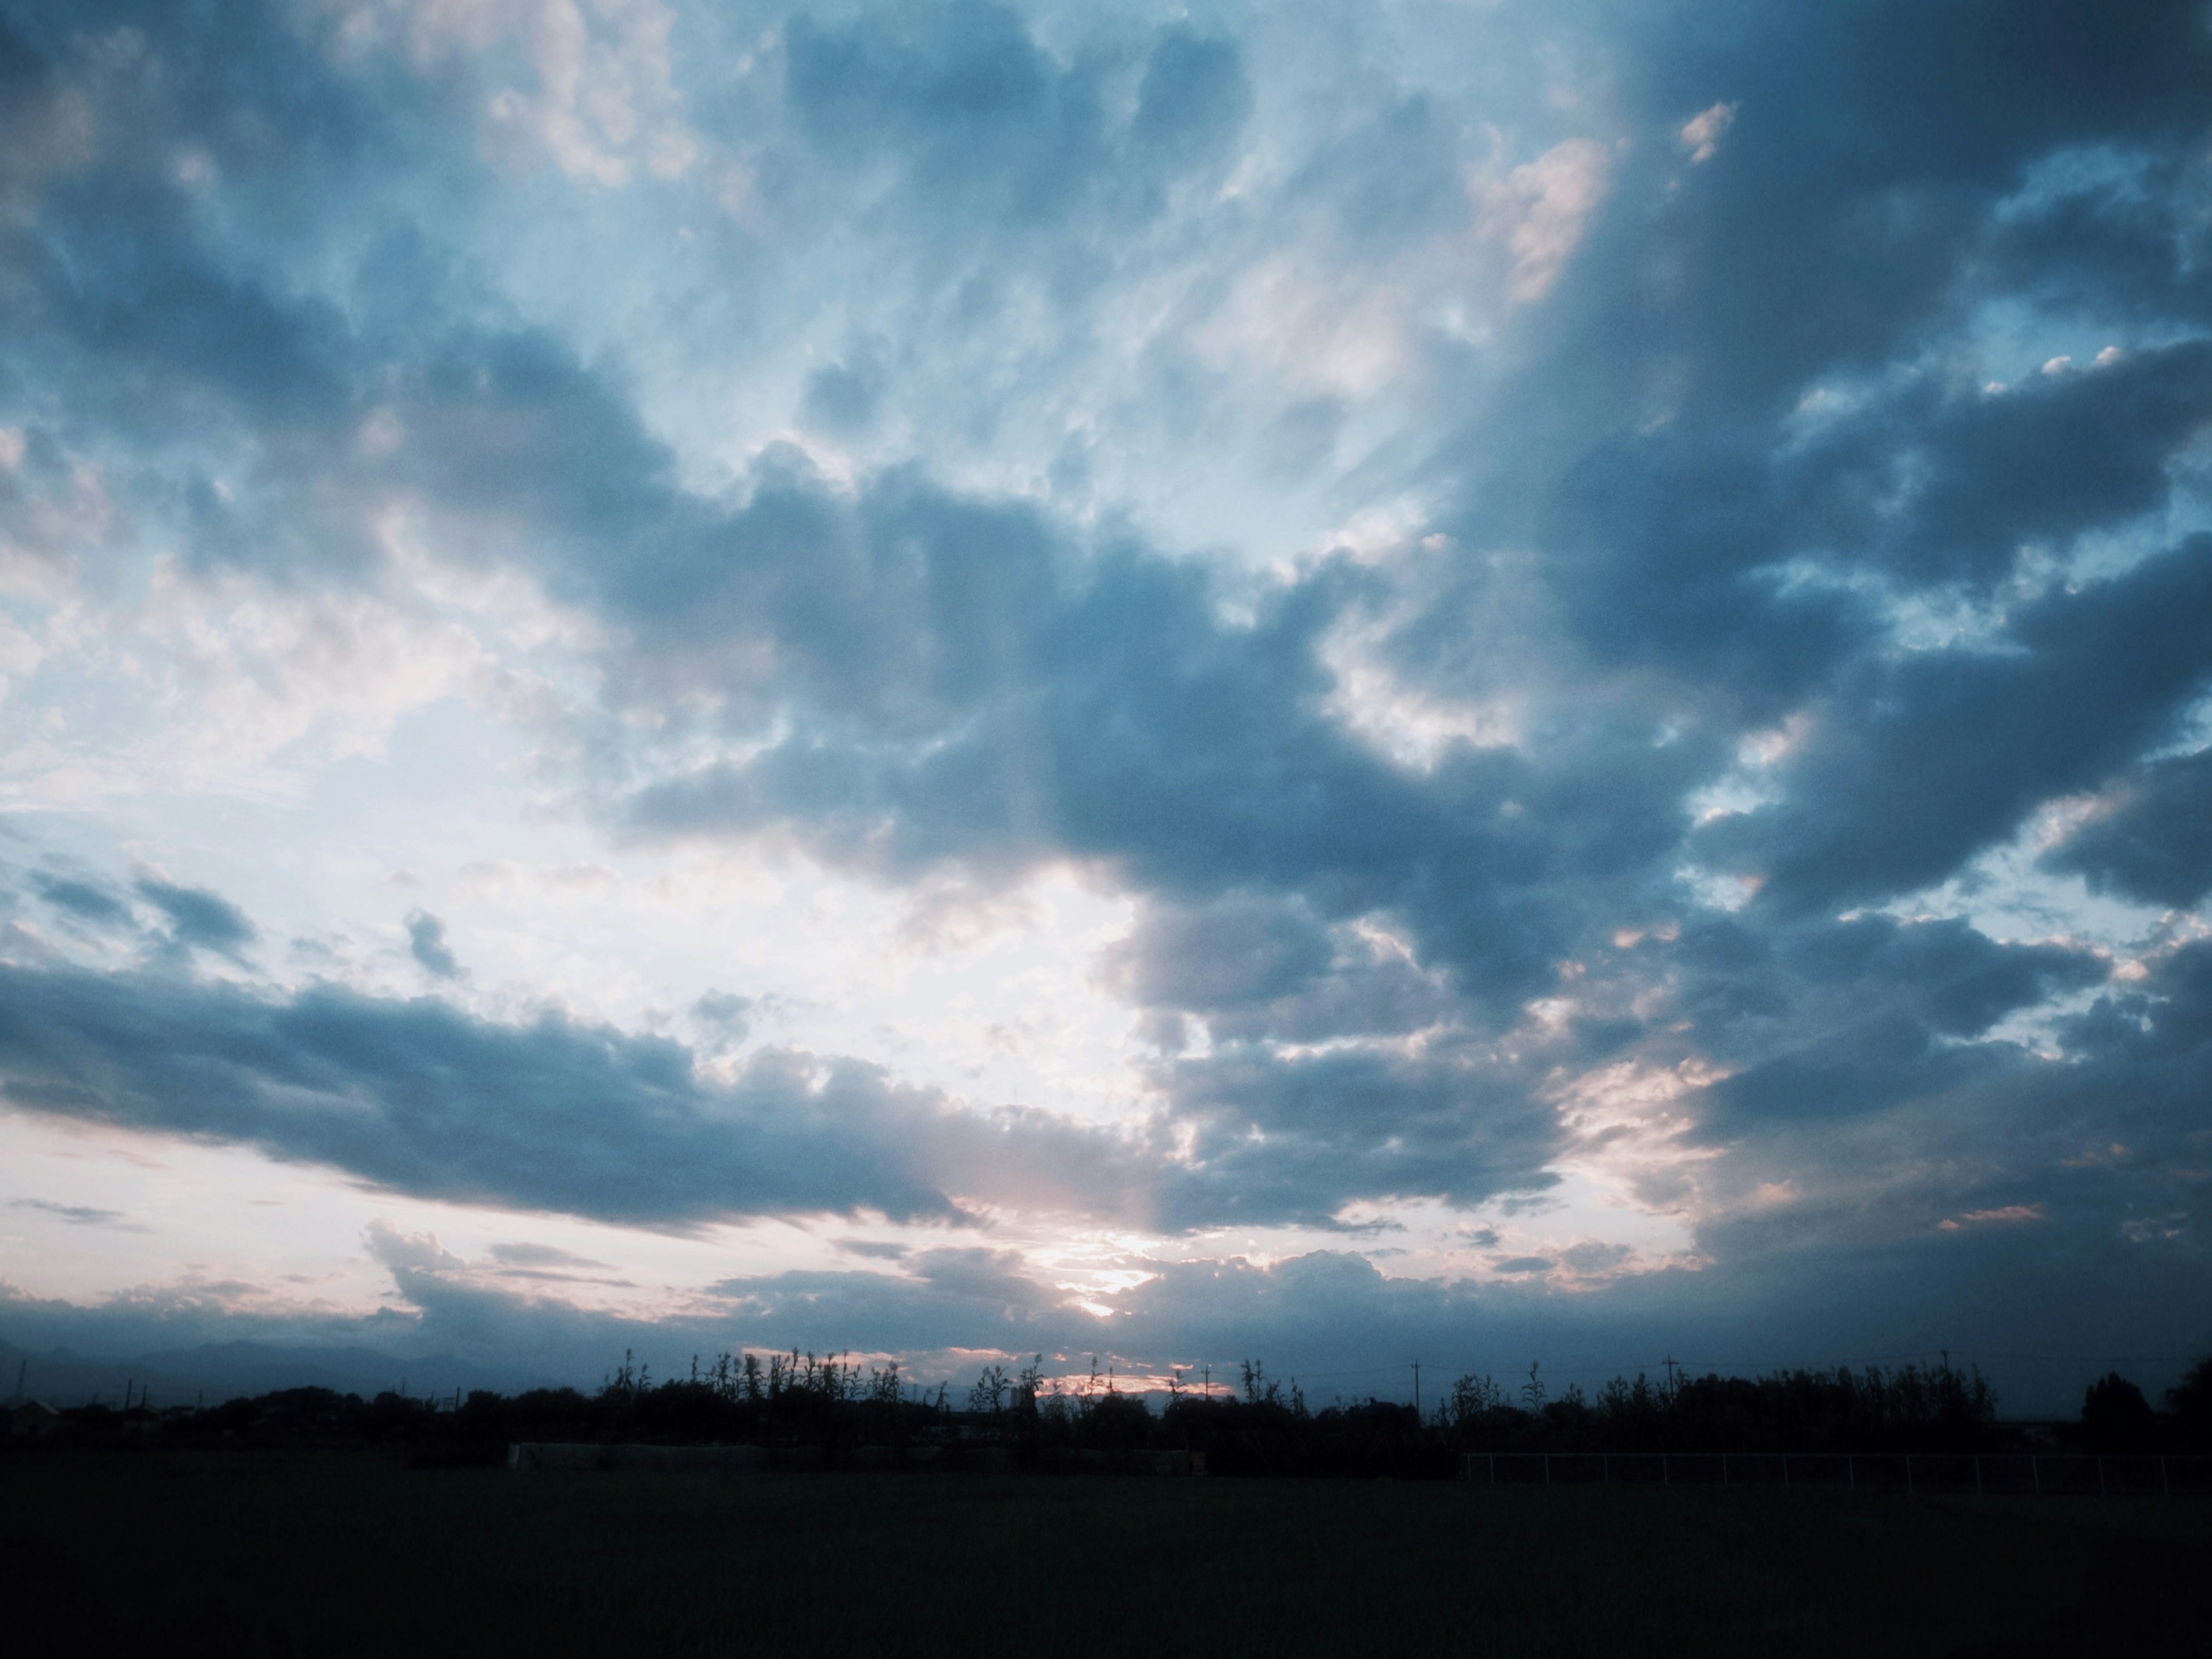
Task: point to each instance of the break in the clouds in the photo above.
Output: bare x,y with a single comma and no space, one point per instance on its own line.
989,660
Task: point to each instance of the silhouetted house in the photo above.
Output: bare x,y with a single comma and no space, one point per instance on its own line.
34,1419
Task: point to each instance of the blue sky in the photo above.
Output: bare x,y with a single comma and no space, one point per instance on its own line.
1461,682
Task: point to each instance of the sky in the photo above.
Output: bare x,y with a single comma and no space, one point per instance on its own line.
1406,680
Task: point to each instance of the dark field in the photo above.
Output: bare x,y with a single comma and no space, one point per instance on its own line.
186,1553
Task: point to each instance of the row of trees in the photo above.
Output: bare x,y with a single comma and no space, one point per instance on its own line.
1261,1427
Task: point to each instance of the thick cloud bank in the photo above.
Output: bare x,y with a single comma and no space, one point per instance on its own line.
554,1115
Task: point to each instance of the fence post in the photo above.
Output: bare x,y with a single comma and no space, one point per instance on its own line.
1492,1456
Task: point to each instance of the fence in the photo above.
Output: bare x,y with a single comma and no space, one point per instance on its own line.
558,1455
1983,1474
1060,1460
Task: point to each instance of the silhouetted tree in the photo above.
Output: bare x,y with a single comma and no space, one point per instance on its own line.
2191,1402
2116,1418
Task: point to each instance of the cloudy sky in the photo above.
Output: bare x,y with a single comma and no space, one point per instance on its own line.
1404,679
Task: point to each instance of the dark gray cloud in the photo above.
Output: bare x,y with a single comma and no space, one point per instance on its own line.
1524,1264
729,1017
554,1115
79,1215
1278,1137
1923,760
1235,950
842,397
198,918
544,1264
2152,841
961,683
91,901
1830,1019
426,943
1260,968
115,275
881,1250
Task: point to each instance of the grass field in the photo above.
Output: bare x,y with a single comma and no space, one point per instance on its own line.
337,1554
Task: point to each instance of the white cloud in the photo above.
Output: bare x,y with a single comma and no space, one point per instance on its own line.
206,684
1540,209
1702,133
1412,728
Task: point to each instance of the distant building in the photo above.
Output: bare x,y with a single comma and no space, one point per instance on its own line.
34,1419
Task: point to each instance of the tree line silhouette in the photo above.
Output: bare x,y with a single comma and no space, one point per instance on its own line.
836,1408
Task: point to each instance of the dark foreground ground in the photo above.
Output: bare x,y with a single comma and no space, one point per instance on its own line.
181,1553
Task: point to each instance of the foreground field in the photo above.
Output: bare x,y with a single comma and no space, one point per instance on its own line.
334,1554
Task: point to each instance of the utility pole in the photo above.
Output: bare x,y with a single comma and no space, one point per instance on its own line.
1417,1390
1209,1380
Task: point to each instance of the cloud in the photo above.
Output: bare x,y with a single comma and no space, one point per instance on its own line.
198,918
1540,208
1237,950
882,1249
426,943
1194,96
727,1016
1628,537
842,397
554,1115
981,124
79,1215
1702,132
1278,1137
2149,840
91,901
1943,752
598,96
1831,1019
538,1255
